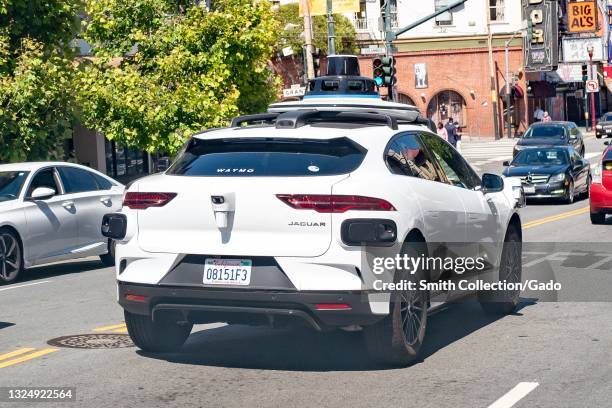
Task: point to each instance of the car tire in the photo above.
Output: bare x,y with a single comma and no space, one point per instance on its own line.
108,259
598,218
587,189
397,339
11,257
570,194
598,136
156,336
510,270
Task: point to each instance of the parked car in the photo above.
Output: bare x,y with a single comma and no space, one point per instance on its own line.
551,134
601,188
551,172
52,212
604,127
264,224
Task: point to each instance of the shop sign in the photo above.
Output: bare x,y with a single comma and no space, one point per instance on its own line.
575,49
582,16
541,46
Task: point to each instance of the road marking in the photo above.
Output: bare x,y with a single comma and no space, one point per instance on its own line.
514,395
27,357
556,217
111,327
15,353
124,330
24,285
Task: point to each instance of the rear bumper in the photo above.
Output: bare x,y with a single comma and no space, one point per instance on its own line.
208,305
600,199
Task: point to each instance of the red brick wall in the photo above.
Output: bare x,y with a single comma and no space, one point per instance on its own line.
461,71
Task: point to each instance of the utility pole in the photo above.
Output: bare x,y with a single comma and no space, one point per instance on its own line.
492,73
331,34
308,40
592,76
509,83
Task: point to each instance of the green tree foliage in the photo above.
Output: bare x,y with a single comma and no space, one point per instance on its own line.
165,69
292,26
36,73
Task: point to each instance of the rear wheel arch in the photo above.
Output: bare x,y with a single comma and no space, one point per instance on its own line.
415,235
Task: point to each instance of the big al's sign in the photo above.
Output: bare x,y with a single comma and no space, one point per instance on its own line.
582,16
542,46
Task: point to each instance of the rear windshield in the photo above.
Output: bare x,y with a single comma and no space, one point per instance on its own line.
608,117
545,131
268,157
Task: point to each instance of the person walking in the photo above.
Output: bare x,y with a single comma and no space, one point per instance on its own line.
538,114
442,131
546,117
451,131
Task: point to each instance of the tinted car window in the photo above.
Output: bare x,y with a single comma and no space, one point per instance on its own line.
77,180
457,170
11,183
608,155
541,157
44,178
408,156
545,131
268,157
103,184
608,117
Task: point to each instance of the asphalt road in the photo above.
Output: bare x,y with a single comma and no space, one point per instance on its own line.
548,354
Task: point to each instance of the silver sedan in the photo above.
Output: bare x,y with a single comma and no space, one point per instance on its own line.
52,211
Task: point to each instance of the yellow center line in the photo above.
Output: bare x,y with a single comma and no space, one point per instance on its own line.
28,357
15,353
556,217
124,330
111,327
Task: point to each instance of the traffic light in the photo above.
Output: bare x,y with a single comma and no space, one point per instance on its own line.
377,71
388,68
316,61
585,72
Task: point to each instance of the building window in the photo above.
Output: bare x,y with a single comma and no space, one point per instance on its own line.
361,17
444,19
496,10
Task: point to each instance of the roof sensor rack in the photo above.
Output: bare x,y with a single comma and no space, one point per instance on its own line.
269,117
299,118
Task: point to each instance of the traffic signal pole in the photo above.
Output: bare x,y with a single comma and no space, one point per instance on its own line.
331,33
310,74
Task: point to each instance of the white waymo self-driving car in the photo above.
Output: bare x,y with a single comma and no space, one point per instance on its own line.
266,221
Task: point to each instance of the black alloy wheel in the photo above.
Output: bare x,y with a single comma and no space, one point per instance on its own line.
11,262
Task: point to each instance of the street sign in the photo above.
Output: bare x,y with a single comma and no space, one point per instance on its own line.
295,90
582,16
592,86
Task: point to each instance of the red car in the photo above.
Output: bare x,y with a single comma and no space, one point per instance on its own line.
601,188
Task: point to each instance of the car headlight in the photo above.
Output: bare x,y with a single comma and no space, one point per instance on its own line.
519,196
598,127
556,177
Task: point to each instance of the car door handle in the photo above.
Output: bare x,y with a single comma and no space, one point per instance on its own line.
105,200
68,204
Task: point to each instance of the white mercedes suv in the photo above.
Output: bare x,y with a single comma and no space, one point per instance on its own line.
270,221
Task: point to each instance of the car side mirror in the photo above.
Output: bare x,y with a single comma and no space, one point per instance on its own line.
492,183
607,143
506,163
42,193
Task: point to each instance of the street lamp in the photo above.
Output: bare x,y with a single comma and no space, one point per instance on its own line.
590,50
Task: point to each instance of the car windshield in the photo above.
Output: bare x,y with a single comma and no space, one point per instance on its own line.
11,183
552,131
541,157
607,117
248,157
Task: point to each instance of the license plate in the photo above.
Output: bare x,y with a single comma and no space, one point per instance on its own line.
227,271
608,130
529,189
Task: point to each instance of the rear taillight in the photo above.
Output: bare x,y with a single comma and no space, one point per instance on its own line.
142,201
327,203
596,175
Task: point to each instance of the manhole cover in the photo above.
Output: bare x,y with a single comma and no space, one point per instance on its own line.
93,341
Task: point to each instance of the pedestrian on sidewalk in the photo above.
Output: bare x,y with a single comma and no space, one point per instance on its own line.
538,114
546,117
451,130
457,136
442,131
